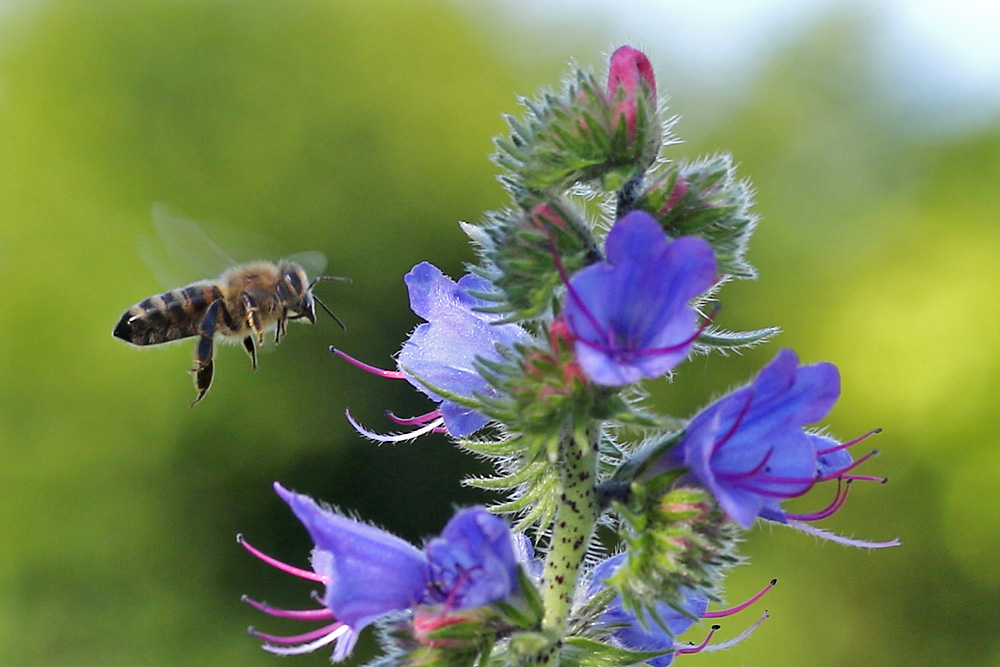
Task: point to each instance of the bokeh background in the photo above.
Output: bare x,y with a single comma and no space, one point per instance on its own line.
362,130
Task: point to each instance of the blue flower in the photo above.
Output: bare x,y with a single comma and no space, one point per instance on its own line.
649,634
442,352
660,632
631,314
749,447
369,573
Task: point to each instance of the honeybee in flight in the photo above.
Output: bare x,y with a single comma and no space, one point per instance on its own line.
245,302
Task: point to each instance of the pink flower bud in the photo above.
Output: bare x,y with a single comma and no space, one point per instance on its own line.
629,68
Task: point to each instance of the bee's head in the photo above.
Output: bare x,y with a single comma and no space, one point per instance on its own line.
298,289
301,301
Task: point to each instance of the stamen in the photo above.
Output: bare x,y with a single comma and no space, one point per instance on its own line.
854,464
740,607
284,567
740,637
838,501
837,448
393,375
308,648
321,614
297,639
419,419
431,427
840,539
700,647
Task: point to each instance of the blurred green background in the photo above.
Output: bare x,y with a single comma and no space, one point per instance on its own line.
362,130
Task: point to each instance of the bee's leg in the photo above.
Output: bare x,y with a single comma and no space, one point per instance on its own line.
253,316
203,352
279,331
251,350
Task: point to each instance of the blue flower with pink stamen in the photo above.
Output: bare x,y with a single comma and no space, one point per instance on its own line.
631,314
751,450
369,573
442,352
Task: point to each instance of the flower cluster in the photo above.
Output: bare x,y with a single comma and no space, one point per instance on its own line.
532,361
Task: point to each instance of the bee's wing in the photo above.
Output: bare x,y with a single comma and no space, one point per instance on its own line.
181,251
312,261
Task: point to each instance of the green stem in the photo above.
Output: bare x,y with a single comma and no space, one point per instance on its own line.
574,522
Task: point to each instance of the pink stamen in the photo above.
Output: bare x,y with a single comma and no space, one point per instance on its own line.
297,639
837,473
837,448
697,649
322,614
419,420
838,501
748,473
393,375
740,607
284,567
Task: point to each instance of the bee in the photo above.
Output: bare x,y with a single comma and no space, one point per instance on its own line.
241,305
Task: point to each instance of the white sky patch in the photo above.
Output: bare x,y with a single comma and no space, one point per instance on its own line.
939,60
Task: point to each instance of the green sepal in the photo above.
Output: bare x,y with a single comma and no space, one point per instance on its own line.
721,340
573,137
584,652
705,198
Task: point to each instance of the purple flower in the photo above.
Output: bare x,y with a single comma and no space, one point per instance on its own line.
630,314
660,633
442,352
750,449
369,573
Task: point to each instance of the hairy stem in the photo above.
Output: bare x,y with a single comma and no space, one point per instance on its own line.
574,522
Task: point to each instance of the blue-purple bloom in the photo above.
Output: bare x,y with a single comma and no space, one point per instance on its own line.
442,352
369,573
444,349
660,633
631,314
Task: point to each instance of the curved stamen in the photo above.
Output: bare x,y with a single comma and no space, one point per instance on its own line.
838,501
307,648
748,473
297,639
740,607
399,437
854,464
700,647
410,421
770,492
284,567
393,375
322,614
840,539
837,448
740,637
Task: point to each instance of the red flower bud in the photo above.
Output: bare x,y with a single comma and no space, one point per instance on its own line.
628,70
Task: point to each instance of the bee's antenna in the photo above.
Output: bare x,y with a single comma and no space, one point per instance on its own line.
323,305
326,279
329,312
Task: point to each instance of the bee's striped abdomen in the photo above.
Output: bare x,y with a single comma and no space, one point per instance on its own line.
165,317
